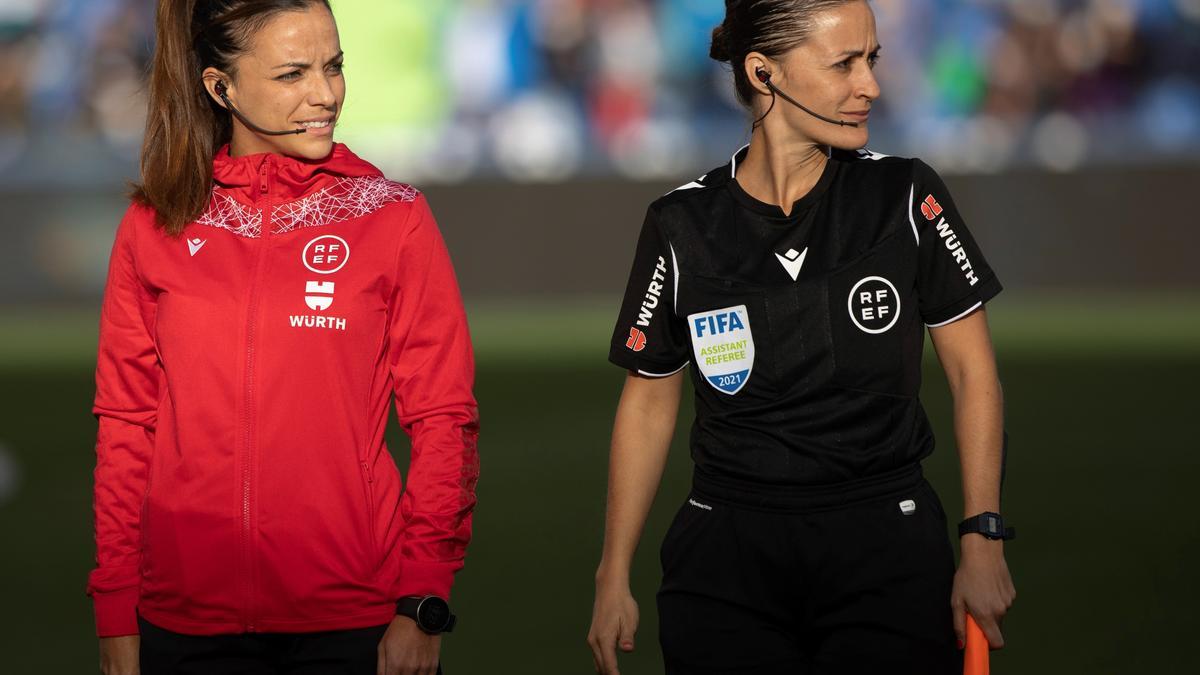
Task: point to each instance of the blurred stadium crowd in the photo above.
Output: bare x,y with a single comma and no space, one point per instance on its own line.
552,89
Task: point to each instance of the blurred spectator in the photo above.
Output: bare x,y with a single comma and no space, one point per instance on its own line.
543,89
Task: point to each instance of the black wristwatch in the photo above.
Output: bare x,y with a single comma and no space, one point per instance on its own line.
990,525
431,613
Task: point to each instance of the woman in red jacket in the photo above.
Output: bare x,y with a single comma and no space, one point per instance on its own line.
268,294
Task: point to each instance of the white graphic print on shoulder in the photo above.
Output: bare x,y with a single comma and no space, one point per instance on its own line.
346,199
227,213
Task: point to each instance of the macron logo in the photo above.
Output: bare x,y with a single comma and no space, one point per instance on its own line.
792,261
194,245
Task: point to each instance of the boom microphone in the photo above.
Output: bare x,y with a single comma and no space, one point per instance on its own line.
765,77
221,91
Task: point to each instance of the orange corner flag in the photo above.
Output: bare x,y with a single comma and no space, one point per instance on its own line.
975,656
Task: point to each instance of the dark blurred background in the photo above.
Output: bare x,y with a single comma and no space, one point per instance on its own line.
1068,131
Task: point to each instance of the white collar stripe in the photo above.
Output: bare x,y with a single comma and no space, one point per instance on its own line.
733,161
911,193
675,266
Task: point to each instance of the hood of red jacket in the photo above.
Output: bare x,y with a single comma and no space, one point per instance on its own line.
279,178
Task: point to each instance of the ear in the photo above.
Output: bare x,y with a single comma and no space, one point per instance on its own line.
755,61
210,77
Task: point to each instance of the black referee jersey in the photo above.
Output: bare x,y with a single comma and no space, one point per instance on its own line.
803,332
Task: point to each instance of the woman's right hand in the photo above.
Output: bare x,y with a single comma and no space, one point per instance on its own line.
614,623
641,437
119,655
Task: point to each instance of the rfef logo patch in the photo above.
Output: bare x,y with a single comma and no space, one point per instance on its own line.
637,340
723,346
874,305
326,254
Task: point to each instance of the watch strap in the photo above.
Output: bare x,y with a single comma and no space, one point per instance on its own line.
988,524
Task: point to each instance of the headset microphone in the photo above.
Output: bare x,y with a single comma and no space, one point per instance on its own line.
765,77
221,91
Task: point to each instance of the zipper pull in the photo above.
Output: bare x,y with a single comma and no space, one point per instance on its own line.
262,177
367,469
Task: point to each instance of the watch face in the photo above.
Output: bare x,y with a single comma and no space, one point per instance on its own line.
991,526
433,613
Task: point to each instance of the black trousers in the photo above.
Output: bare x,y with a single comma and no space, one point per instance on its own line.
862,587
338,652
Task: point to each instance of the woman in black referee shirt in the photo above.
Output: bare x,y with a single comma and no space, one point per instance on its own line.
795,285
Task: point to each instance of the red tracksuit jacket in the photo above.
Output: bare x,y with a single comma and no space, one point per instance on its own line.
242,389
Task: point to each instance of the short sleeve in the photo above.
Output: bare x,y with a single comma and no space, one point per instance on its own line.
649,338
953,278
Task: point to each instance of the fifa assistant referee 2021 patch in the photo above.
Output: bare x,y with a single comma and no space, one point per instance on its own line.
723,346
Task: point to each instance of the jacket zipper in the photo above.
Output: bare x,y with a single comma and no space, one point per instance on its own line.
371,547
247,456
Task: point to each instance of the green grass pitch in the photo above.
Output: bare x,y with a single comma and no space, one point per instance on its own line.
1101,410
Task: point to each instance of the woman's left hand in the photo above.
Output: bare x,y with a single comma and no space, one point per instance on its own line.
983,588
407,650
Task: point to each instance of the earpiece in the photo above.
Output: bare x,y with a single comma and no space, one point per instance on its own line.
765,77
223,94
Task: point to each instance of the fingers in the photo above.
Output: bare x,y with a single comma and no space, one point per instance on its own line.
625,635
988,621
596,644
603,644
610,662
614,622
988,616
989,613
991,629
983,588
608,656
595,660
960,621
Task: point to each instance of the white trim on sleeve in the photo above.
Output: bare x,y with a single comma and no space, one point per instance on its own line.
685,365
972,308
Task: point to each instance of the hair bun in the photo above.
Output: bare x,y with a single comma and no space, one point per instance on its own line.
720,44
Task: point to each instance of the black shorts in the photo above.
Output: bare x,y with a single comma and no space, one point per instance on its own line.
335,652
854,581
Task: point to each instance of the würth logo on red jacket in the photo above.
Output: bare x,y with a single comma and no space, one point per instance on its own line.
318,295
930,208
323,255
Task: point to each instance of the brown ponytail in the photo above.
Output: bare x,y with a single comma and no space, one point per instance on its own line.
185,127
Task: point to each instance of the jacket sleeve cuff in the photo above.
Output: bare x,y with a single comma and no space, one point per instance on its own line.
116,612
426,578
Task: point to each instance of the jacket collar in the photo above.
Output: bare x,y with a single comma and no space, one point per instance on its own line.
274,178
